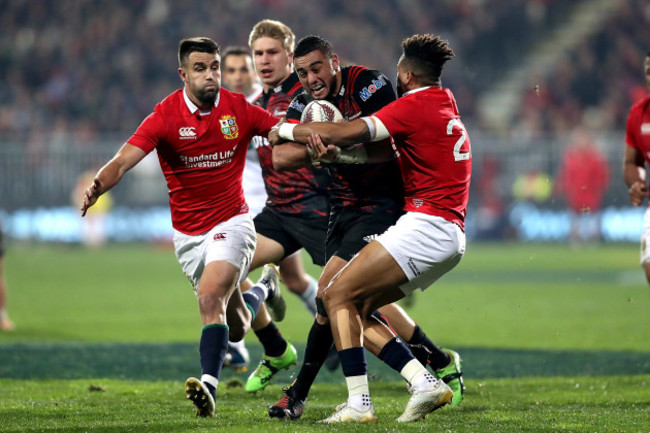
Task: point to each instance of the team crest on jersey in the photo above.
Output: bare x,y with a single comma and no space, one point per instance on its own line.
645,128
229,127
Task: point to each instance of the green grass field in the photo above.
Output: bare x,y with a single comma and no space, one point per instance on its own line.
553,339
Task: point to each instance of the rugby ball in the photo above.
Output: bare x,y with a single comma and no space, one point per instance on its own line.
320,111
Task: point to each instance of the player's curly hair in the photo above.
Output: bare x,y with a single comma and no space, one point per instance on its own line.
194,45
275,30
425,56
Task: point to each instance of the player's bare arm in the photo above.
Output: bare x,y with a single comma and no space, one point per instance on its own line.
345,135
289,156
110,174
380,151
342,134
634,174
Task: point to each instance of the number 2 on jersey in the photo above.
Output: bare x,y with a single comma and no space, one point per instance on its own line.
458,155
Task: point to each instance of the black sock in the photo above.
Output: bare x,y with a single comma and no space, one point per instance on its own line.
253,298
212,350
273,342
438,357
395,354
353,361
319,342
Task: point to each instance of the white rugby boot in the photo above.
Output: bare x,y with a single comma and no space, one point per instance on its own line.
345,413
423,401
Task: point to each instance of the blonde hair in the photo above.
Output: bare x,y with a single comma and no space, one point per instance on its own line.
275,30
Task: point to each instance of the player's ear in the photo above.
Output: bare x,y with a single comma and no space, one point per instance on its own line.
335,62
410,76
183,74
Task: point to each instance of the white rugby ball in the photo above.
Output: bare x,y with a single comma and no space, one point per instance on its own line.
320,111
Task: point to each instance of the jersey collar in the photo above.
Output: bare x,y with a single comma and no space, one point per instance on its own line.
419,89
193,108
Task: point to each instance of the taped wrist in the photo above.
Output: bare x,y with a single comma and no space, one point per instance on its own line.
356,155
286,131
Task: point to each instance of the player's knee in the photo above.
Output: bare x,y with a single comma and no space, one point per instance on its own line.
211,302
332,298
322,285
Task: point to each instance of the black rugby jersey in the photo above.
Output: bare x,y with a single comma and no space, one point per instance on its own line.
368,186
302,191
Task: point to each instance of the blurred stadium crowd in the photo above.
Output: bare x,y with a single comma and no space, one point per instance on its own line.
76,74
99,66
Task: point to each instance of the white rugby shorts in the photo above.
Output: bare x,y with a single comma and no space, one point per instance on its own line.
253,183
232,241
645,237
426,247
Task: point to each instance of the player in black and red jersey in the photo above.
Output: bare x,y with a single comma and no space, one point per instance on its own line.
295,215
434,155
365,199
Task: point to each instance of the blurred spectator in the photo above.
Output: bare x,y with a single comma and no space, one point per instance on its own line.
583,179
95,50
5,322
533,186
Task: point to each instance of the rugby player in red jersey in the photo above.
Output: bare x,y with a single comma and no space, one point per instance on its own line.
426,242
201,134
366,199
635,158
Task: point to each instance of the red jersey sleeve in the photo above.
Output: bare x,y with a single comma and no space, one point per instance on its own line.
632,129
148,134
263,120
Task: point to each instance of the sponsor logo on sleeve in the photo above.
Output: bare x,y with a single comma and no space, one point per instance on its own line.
229,127
368,91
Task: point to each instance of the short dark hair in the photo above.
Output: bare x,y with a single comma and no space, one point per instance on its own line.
425,56
312,42
193,45
235,51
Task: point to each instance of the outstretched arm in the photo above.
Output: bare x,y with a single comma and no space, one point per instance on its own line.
110,174
343,135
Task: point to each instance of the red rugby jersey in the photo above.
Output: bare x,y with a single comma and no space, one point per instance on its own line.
433,152
637,129
203,157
